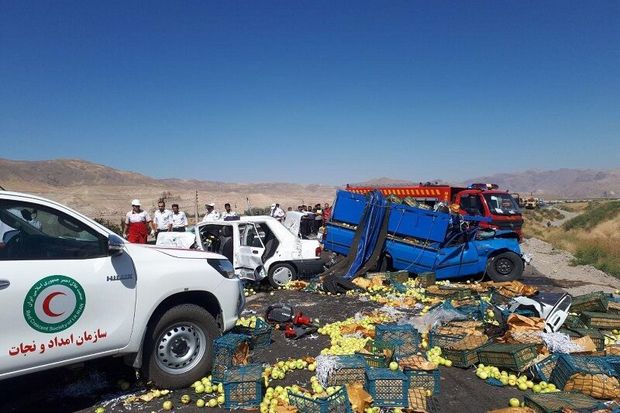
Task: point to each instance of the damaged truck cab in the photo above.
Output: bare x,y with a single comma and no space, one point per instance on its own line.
419,240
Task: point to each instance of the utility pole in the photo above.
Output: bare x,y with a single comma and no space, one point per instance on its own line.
249,206
196,208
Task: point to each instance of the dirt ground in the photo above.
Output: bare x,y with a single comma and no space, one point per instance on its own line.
95,384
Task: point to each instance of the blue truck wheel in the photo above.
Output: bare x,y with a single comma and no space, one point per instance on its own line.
506,266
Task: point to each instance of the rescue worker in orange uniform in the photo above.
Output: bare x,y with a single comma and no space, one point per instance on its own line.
137,224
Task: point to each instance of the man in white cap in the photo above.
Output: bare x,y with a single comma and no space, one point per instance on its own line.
137,223
212,214
278,213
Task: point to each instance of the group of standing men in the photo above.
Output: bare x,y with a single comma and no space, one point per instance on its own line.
138,221
213,215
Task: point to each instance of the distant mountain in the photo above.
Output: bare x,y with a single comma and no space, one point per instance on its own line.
562,183
103,192
67,172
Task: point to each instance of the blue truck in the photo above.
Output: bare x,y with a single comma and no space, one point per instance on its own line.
402,237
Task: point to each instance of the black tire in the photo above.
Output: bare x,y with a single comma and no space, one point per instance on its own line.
183,323
276,270
385,263
506,266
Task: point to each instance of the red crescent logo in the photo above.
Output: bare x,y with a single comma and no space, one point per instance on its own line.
48,301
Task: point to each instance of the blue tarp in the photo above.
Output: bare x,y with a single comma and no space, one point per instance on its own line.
370,227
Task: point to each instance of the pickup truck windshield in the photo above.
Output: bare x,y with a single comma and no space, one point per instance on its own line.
502,204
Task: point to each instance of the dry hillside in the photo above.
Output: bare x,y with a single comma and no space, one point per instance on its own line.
562,183
103,192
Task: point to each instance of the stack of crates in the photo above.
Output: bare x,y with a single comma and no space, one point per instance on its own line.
607,321
568,365
243,386
402,337
596,301
260,335
223,349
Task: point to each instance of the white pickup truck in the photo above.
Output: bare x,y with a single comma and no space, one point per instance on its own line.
258,247
71,290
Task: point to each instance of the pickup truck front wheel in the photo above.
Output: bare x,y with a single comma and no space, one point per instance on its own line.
178,348
506,266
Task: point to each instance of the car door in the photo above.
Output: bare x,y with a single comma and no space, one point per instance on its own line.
251,249
63,295
457,255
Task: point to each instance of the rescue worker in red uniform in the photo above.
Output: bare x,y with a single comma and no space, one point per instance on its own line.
137,224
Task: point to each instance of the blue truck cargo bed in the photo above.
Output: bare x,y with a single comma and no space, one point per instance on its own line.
405,221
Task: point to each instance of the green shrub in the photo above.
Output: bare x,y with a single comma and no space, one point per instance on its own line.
594,214
109,225
600,253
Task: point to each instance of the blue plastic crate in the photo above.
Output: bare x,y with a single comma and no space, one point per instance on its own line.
557,402
422,379
223,350
260,335
443,340
388,388
544,368
402,337
336,403
375,355
243,386
475,311
568,365
614,362
351,369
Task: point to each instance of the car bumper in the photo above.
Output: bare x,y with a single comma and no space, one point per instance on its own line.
309,267
232,302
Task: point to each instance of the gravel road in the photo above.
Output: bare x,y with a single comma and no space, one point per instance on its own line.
556,265
567,216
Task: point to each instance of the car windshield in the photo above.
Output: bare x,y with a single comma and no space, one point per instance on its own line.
502,204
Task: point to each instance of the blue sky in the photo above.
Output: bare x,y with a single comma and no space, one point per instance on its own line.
312,91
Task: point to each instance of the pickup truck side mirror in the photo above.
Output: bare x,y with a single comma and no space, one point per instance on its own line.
115,245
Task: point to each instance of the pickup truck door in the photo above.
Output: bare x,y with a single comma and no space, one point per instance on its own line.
63,295
457,255
251,249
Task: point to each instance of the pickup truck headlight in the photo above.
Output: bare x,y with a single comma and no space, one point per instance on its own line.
224,267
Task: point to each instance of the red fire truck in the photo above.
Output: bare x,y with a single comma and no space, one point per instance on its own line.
477,199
